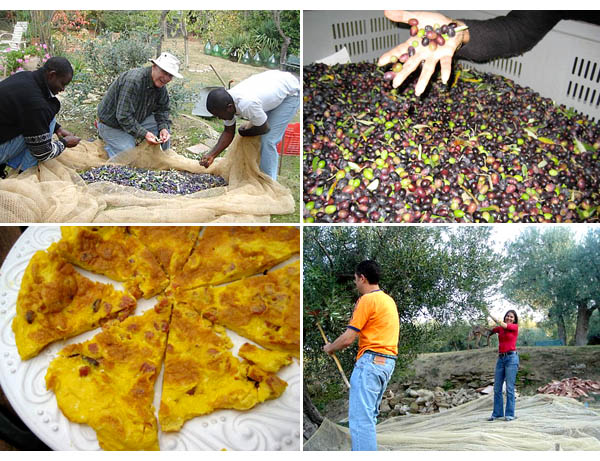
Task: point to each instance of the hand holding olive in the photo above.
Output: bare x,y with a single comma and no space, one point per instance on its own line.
425,46
206,161
164,135
151,138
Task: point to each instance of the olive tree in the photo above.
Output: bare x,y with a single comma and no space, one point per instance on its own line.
437,275
553,273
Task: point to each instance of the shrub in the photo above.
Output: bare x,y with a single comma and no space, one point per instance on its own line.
70,20
238,44
107,58
16,59
129,21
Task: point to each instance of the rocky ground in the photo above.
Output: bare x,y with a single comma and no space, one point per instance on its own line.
440,381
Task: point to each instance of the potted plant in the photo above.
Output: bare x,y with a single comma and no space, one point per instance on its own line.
238,44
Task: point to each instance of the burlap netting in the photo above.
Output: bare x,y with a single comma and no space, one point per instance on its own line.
54,192
544,422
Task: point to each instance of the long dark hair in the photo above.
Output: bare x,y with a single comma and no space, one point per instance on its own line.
513,313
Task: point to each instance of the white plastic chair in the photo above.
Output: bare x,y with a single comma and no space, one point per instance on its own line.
15,40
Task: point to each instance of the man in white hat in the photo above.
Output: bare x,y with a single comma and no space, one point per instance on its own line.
136,106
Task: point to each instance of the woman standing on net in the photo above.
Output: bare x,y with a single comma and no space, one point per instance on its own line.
506,366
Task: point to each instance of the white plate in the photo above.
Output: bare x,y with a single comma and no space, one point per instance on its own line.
273,425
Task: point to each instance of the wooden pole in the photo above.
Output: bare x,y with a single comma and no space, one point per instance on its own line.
335,359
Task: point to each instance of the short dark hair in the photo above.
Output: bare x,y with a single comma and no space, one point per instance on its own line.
60,65
217,100
370,269
513,313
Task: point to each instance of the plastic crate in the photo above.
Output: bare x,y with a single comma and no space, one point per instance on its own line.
291,140
564,65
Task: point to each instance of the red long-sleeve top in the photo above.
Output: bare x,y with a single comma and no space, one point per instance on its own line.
507,337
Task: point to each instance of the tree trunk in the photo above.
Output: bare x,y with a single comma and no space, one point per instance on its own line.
312,419
186,51
162,22
286,40
41,27
562,329
583,322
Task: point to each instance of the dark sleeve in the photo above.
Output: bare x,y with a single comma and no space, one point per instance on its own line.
38,137
161,114
509,35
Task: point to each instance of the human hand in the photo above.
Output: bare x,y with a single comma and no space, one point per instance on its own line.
243,130
206,161
70,140
429,56
151,138
63,133
164,135
328,348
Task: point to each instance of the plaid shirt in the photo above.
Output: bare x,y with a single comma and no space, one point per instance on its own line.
130,99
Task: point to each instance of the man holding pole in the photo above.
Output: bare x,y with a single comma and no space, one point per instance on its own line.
376,323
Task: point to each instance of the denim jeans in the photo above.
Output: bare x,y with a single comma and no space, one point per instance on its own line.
278,119
117,140
506,370
16,154
367,385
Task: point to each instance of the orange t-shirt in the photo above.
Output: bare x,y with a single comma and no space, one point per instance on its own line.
376,320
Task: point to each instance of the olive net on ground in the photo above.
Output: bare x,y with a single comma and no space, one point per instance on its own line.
544,422
54,192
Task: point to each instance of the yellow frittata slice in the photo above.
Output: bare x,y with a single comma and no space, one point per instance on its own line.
56,302
170,245
112,251
108,381
201,375
264,309
223,254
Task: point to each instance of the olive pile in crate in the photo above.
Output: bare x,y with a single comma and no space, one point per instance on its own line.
480,149
163,181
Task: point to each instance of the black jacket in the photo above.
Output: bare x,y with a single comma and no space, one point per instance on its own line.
26,108
515,33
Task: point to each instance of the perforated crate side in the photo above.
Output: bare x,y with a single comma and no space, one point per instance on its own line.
365,34
564,65
291,140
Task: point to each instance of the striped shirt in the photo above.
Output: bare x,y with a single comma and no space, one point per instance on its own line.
130,99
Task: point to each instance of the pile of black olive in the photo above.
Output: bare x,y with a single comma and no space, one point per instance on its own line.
480,149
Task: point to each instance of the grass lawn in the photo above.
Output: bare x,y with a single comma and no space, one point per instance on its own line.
288,176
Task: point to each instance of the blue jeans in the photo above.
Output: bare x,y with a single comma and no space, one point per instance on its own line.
367,385
117,140
278,119
16,154
506,370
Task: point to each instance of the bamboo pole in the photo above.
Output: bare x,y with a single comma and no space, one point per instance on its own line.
335,359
